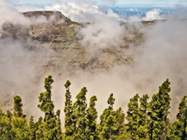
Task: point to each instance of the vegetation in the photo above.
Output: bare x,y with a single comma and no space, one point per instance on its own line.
146,118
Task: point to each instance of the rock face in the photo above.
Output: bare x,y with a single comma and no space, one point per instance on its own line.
45,26
53,30
10,30
49,15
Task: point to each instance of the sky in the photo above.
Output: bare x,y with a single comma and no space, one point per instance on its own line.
152,1
116,2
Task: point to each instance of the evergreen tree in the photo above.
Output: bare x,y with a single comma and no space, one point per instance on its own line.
119,123
179,127
5,126
69,120
107,121
48,128
19,124
18,111
58,126
32,129
133,117
40,129
46,105
20,128
91,118
143,118
79,112
159,110
182,117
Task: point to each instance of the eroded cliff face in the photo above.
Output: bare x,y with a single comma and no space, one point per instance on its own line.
44,26
53,30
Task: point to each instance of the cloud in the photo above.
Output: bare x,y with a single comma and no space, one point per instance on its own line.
76,10
161,55
152,1
10,14
102,32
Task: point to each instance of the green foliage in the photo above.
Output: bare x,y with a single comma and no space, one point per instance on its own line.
49,128
91,120
119,122
145,120
46,105
107,120
14,126
178,129
79,114
20,128
5,126
133,117
68,110
111,121
159,110
18,111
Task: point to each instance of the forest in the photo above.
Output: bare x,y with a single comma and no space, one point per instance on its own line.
147,118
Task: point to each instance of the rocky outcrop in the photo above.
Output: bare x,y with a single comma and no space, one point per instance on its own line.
45,27
52,29
54,16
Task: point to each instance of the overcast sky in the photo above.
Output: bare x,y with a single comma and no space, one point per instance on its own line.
117,2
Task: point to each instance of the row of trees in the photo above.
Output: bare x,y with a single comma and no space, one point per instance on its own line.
146,118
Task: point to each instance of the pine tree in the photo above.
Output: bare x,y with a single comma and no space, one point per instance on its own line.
69,120
133,117
18,125
46,105
18,111
182,117
107,121
119,123
58,126
47,128
40,129
143,118
32,129
20,128
179,128
5,126
159,110
79,112
91,118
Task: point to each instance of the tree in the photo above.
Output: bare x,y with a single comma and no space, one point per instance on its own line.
40,129
46,105
133,117
58,126
143,118
159,110
91,118
18,111
48,128
5,126
109,126
119,123
20,128
182,117
179,127
79,112
68,110
32,127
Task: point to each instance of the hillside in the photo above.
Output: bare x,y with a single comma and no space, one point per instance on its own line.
52,29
